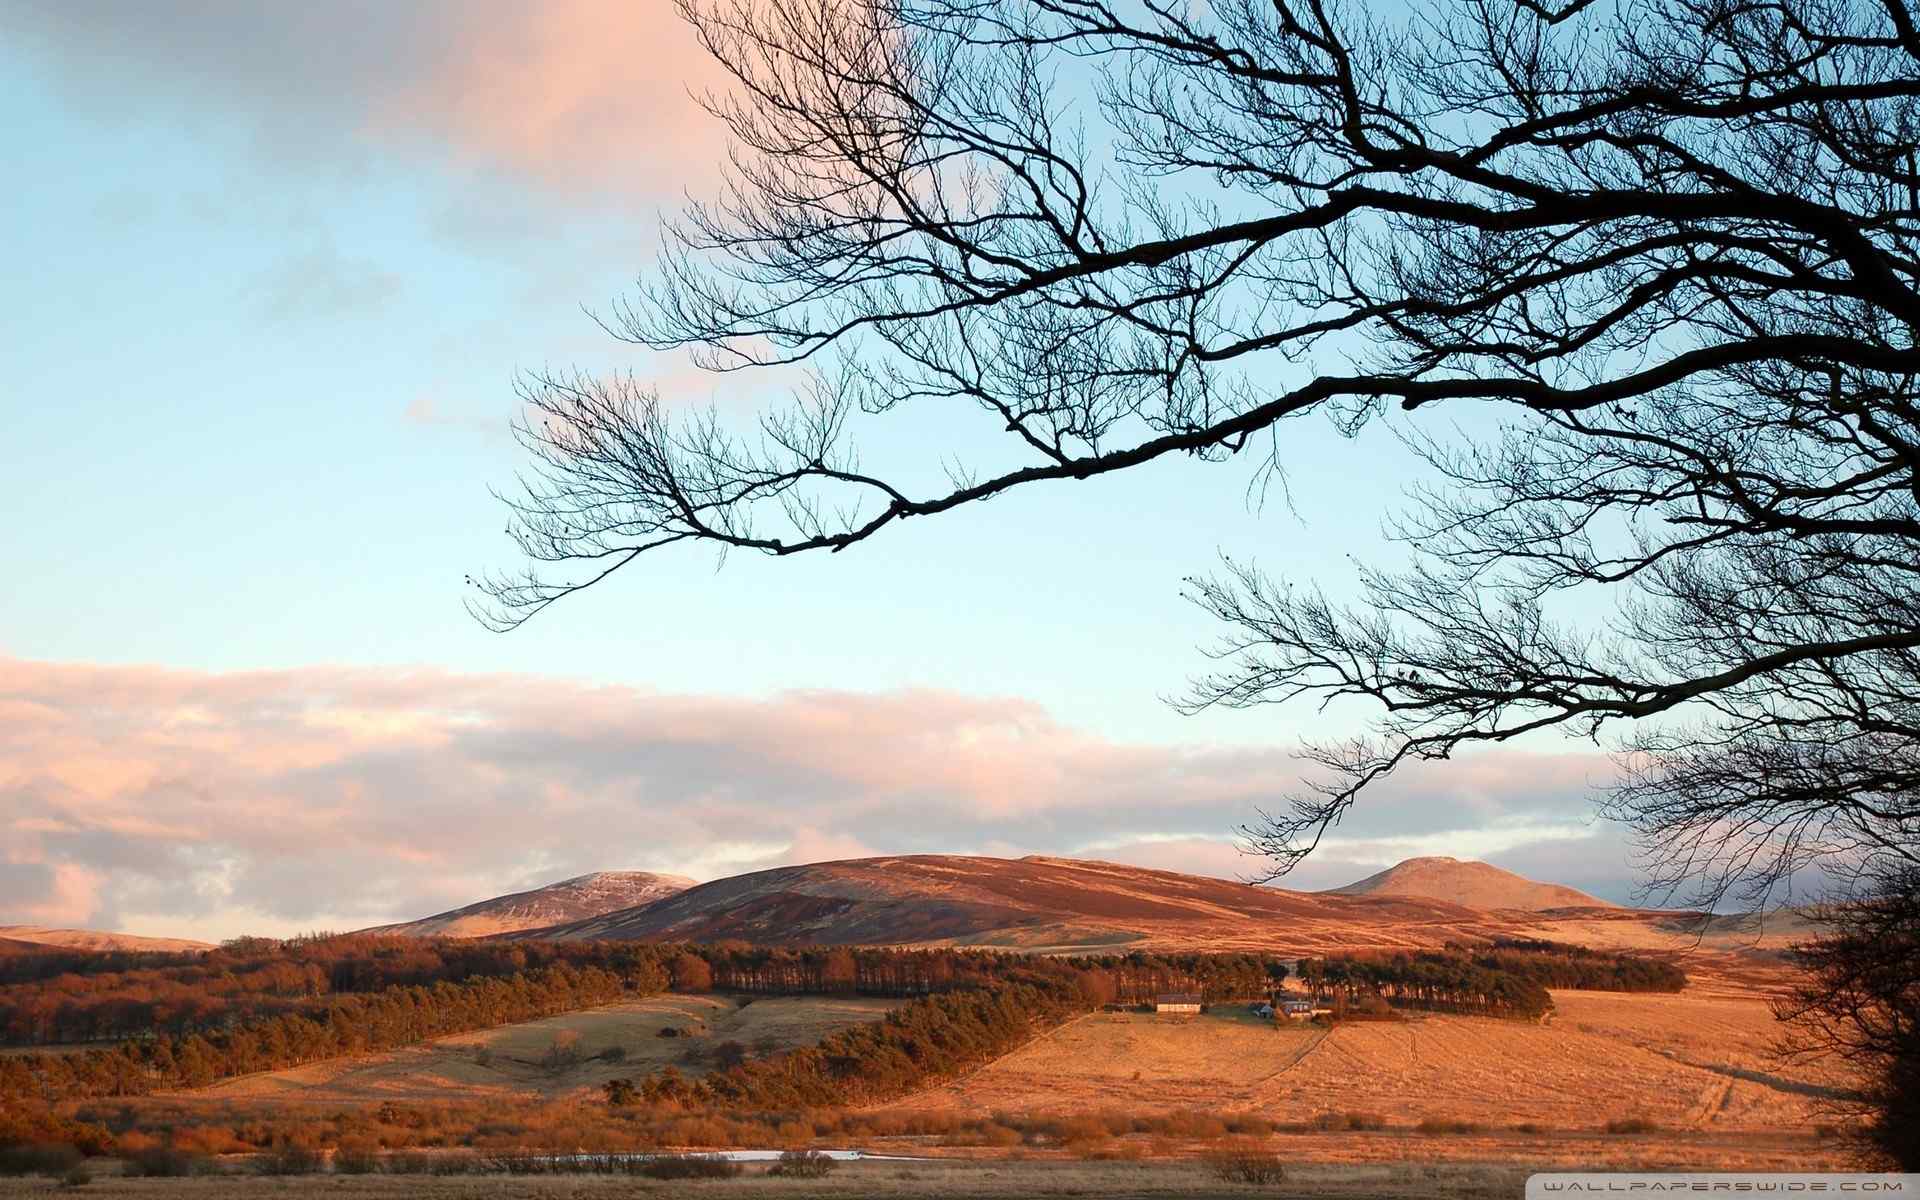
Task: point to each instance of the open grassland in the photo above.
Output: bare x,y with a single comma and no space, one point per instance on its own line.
1682,1062
577,1052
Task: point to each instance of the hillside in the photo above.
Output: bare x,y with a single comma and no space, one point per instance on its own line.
94,939
1474,884
1688,1063
576,899
1067,905
1031,903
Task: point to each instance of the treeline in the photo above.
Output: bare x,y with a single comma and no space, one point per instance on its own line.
385,1020
1106,979
915,1046
1508,978
1558,965
1429,979
244,983
257,978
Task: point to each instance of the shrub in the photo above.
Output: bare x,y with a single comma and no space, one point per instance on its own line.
564,1053
288,1158
166,1162
1079,1129
1336,1122
76,1176
1633,1125
1446,1125
1246,1164
621,1092
689,1166
1189,1124
991,1133
356,1158
613,1054
55,1159
803,1164
668,1031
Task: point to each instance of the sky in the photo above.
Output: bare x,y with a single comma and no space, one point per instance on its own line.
274,271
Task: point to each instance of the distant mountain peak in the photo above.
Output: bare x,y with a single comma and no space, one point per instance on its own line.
577,899
1469,882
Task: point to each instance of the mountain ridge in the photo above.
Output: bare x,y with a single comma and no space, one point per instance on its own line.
1038,902
578,898
97,940
1470,882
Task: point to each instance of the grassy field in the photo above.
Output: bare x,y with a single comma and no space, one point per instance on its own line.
562,1055
1682,1062
1134,1099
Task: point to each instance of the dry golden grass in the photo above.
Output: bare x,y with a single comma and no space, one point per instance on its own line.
514,1059
1684,1062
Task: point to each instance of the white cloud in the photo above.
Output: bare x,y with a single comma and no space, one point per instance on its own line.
208,804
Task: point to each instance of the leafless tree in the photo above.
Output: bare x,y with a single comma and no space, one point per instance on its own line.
1858,1002
1659,254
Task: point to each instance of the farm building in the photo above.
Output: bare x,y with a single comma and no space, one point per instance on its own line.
1177,1002
1296,1010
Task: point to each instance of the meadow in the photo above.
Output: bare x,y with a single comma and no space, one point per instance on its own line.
572,1053
1680,1062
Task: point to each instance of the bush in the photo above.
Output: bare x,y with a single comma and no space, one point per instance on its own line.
56,1159
1336,1122
288,1158
613,1054
802,1164
1633,1125
1190,1124
1532,1127
356,1159
621,1093
166,1162
564,1053
77,1176
689,1166
1446,1125
1246,1164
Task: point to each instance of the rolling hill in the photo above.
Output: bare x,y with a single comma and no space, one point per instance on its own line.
94,939
1056,905
1474,884
1028,903
580,898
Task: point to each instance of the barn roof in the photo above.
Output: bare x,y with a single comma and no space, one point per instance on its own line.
1177,998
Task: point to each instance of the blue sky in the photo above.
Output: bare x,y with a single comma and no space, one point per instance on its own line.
273,275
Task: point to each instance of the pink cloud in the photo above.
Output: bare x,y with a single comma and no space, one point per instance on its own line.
569,92
200,803
579,96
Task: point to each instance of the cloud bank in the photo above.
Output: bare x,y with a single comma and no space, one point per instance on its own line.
576,95
199,804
